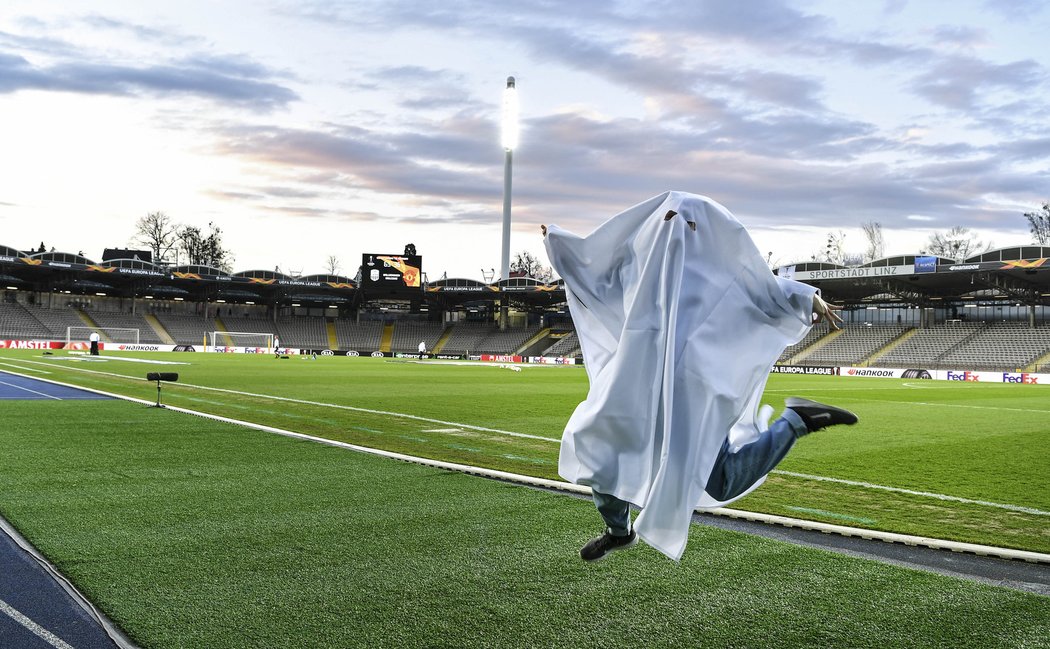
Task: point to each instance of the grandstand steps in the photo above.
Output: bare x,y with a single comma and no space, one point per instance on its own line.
888,347
90,322
1039,363
333,338
537,344
817,344
388,337
159,329
445,335
221,326
962,343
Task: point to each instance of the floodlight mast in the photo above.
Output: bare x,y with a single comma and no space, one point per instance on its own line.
510,133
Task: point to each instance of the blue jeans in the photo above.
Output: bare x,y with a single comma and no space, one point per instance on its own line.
732,475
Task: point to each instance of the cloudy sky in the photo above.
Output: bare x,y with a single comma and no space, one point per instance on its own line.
307,129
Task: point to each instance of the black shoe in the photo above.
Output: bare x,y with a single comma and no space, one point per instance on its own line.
606,543
818,415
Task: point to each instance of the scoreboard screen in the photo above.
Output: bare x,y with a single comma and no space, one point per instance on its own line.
391,272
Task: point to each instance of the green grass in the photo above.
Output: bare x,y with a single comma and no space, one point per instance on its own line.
976,441
193,533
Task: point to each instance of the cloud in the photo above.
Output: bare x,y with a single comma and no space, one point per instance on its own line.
33,62
420,88
1020,10
965,83
216,78
139,32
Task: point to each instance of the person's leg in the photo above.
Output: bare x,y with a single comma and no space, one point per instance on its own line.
734,473
617,516
615,512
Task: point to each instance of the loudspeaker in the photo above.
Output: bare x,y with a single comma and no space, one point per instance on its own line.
162,376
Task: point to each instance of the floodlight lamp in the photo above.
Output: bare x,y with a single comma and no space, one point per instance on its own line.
510,116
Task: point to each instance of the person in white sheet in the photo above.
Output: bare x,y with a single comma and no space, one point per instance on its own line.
276,347
680,321
94,338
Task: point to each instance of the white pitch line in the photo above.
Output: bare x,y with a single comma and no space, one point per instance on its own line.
558,441
19,387
26,369
37,630
330,405
927,494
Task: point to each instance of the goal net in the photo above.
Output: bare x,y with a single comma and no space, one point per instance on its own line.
108,334
241,339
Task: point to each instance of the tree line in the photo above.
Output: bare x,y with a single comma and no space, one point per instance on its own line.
956,243
174,243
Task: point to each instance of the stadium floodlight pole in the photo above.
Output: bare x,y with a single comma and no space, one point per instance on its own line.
510,142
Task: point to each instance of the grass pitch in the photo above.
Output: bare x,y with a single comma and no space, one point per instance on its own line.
193,533
958,461
190,532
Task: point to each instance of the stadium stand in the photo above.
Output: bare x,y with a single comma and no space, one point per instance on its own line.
365,336
814,334
507,342
309,332
407,335
926,346
250,325
186,329
1000,345
466,337
57,320
567,347
18,323
477,338
857,343
111,319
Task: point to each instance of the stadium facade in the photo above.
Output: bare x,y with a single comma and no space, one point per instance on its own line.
889,301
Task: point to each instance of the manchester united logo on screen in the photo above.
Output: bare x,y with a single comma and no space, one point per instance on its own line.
391,272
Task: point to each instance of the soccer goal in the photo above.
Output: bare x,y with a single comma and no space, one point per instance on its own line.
125,335
241,339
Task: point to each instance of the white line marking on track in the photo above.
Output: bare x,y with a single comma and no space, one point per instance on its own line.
868,485
37,630
19,387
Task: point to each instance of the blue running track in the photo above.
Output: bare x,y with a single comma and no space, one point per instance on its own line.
14,387
35,610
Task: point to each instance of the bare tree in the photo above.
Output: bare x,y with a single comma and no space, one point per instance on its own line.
331,265
1039,223
525,264
205,250
159,232
957,243
876,247
835,251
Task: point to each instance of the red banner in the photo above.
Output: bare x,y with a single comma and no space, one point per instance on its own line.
43,344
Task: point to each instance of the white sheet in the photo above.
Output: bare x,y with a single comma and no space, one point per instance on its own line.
679,328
